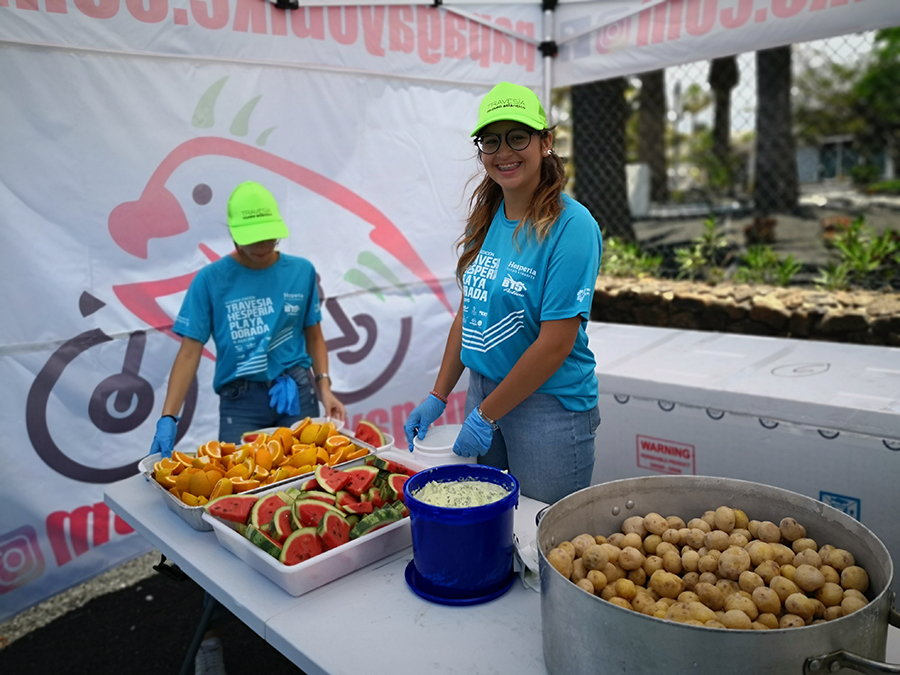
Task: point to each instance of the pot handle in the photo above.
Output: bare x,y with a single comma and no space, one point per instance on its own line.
540,514
833,662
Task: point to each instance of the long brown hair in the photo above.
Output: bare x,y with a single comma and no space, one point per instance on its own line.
542,212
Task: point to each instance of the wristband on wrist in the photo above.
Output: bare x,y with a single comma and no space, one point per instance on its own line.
322,376
439,397
487,419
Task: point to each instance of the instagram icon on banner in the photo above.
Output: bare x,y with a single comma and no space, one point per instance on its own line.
21,560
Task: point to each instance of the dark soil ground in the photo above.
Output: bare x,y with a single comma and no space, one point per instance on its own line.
144,628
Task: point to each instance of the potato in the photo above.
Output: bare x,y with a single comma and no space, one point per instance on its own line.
595,557
768,532
709,578
643,602
615,538
613,572
823,551
561,561
622,602
716,540
803,543
750,581
666,547
723,519
743,531
740,520
733,562
609,592
672,562
787,571
708,517
808,578
638,577
679,612
831,574
634,524
830,594
625,588
675,522
766,600
568,548
760,551
839,559
660,609
700,524
768,570
707,563
799,604
745,605
783,554
612,552
687,597
791,529
700,612
633,540
783,587
655,523
753,527
736,619
600,539
756,625
630,558
578,571
690,580
651,541
585,585
853,593
598,579
582,542
695,538
833,612
674,537
690,561
791,621
710,595
855,577
808,556
668,585
652,563
737,539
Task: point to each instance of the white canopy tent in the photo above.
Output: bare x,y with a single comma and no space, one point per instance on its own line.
126,123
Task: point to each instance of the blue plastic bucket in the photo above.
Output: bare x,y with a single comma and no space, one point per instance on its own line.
461,555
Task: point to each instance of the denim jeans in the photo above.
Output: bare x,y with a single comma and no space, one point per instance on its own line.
550,450
244,406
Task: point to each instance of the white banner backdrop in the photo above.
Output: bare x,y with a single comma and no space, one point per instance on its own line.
116,197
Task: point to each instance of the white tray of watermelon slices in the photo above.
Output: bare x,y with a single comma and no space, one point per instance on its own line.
312,531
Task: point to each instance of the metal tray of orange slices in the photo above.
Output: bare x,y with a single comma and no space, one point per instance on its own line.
258,477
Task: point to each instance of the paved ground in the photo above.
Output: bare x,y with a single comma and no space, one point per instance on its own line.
128,621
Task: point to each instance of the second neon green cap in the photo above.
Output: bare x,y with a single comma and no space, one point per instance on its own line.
253,215
508,101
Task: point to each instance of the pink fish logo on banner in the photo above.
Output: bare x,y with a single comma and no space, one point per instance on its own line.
614,36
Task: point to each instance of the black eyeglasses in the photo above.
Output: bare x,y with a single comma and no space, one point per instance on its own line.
516,139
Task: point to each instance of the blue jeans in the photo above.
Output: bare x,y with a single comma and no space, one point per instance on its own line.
244,406
550,450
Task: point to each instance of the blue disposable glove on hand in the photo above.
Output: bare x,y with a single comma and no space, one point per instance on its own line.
422,417
284,396
164,440
475,437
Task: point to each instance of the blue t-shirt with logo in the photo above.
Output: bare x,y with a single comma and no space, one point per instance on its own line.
508,291
255,317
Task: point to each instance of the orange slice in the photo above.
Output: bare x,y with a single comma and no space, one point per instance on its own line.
340,455
238,471
303,454
222,488
326,429
189,499
199,485
227,448
261,472
356,454
214,450
201,462
182,482
334,442
240,485
165,478
280,474
242,453
297,427
322,456
182,458
308,433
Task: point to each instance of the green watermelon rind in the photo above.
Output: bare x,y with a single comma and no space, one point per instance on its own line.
326,497
396,489
379,518
262,541
275,529
304,532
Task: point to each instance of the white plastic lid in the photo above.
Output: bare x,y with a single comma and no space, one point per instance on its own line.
437,446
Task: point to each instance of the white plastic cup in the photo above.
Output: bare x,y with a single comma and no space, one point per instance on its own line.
436,448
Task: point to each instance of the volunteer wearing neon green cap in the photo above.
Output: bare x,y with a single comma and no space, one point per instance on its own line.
529,262
261,308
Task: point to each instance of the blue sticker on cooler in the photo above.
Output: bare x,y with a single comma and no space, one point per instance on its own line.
849,505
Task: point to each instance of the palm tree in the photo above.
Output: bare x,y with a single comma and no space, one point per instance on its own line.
776,186
652,132
723,77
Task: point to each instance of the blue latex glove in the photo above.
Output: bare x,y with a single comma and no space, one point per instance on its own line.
422,417
164,440
284,396
474,438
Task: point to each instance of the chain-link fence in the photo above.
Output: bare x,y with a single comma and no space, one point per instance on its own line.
785,154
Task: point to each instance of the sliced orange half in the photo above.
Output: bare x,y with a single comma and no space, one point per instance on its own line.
297,427
240,485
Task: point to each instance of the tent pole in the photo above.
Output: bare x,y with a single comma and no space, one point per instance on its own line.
549,50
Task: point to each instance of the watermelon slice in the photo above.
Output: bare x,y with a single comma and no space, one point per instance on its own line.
234,508
301,545
331,480
358,507
263,540
281,525
375,521
388,465
360,478
308,512
311,484
333,530
264,509
369,433
395,482
326,497
342,497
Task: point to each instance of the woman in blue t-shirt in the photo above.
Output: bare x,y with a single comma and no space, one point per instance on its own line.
529,262
261,308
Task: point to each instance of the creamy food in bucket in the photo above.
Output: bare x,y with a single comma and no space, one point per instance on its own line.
460,493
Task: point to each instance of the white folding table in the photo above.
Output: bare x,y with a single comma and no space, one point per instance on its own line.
348,625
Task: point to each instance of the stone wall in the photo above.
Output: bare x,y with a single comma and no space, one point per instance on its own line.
862,317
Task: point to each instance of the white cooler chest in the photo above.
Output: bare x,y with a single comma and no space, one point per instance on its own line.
821,419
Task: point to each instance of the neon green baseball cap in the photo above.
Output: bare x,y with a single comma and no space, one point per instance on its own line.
508,101
253,215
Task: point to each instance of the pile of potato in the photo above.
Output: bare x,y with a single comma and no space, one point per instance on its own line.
720,570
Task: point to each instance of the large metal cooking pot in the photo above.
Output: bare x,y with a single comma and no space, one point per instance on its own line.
584,634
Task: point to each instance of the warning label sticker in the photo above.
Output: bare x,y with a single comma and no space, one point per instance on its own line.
664,456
